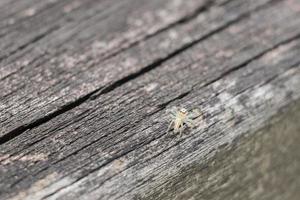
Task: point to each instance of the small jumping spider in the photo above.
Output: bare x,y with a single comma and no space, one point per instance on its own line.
181,117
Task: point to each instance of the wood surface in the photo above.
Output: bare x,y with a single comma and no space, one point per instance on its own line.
85,86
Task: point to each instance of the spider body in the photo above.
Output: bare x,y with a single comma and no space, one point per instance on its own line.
180,118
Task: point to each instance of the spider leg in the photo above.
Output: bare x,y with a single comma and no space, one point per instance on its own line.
190,123
169,127
195,114
171,113
195,121
172,110
181,129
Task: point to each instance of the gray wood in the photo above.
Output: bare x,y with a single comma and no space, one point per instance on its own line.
90,123
47,68
55,79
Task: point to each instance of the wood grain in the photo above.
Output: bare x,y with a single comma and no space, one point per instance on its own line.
84,98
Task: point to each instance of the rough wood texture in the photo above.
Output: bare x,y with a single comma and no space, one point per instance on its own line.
85,86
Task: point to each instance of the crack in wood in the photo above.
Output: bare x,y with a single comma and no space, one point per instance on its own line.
100,91
32,41
185,138
206,6
182,95
161,135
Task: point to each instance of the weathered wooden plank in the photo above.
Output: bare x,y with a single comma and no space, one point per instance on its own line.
54,57
260,165
158,152
9,8
155,160
97,148
41,84
186,59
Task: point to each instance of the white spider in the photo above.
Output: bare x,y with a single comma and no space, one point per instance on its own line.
181,117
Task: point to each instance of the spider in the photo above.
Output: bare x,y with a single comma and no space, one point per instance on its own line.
181,117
